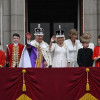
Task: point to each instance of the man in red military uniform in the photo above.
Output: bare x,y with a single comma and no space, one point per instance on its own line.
14,51
2,58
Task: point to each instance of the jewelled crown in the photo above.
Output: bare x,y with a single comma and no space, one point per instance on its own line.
38,30
60,32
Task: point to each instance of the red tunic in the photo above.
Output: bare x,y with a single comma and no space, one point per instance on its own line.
11,51
96,53
2,58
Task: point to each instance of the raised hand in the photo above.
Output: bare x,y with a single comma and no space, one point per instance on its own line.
28,36
53,38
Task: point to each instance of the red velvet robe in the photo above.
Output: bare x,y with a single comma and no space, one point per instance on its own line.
10,53
96,53
2,58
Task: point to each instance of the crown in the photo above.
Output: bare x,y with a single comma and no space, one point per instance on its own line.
38,30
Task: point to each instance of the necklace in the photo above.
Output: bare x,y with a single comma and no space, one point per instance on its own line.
60,45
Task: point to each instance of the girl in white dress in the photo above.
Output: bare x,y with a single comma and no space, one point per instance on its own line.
72,44
60,56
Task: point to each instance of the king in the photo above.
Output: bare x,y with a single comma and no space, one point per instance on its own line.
36,50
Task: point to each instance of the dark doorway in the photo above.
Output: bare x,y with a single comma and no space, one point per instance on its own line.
52,12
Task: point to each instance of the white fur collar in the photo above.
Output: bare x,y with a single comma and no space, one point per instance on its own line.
36,44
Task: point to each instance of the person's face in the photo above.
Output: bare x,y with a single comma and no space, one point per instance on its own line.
60,40
74,37
85,45
16,39
98,41
39,38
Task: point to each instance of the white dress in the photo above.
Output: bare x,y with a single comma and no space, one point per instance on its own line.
72,52
60,55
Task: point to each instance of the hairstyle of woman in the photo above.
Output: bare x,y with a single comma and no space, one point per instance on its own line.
72,32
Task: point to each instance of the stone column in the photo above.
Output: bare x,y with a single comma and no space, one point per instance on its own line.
18,18
90,18
1,40
6,22
98,16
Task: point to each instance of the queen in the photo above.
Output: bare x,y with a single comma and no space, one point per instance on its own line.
59,50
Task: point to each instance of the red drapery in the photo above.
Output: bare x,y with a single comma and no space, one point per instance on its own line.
49,83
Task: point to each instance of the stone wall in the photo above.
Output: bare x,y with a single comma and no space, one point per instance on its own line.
6,22
90,19
13,20
18,18
98,16
0,19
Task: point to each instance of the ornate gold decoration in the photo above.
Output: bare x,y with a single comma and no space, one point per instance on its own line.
88,96
87,84
15,55
24,86
39,58
23,96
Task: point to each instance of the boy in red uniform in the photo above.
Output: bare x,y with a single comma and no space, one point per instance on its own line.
96,54
2,58
14,51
